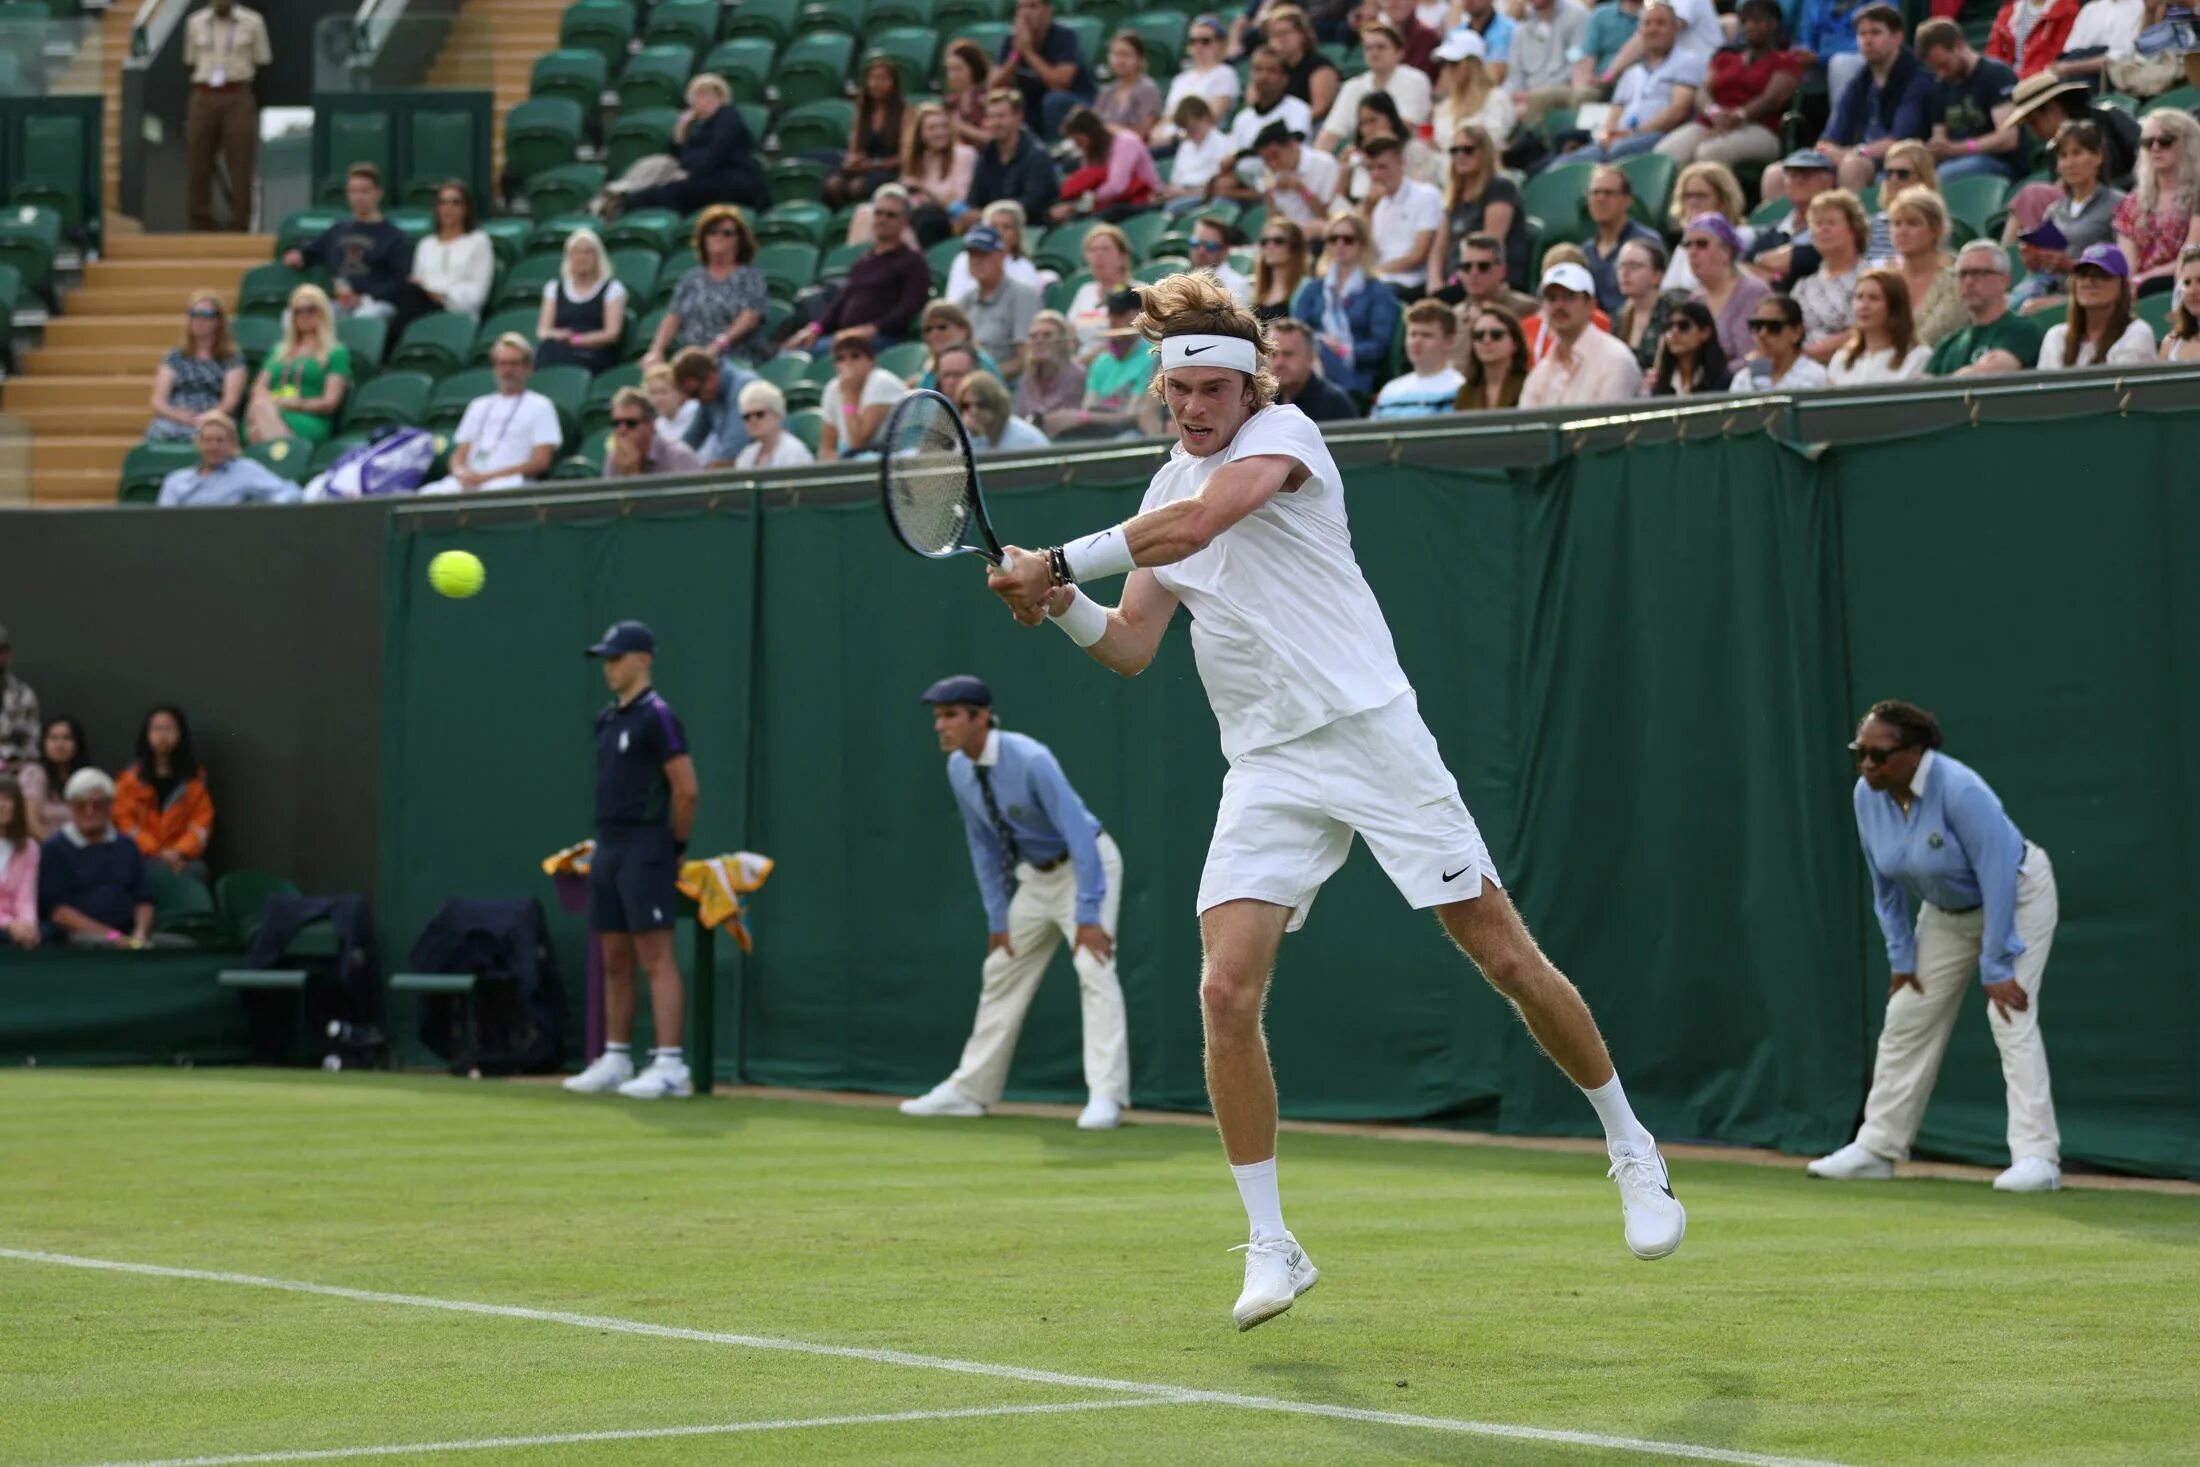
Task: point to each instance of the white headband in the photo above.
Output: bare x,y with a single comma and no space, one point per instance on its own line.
1234,352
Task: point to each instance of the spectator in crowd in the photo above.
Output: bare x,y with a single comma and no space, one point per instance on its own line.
1403,219
1825,37
1107,252
1053,378
936,171
1378,120
876,132
1116,176
454,267
1778,363
2155,219
722,301
301,389
63,749
999,309
507,436
1701,33
2083,214
2104,42
91,881
858,398
1612,25
1883,344
1654,96
675,410
1547,37
1971,104
1268,100
714,385
1116,404
20,741
368,259
222,476
770,445
1481,279
1007,219
1584,365
18,869
1727,291
1294,180
1493,361
1421,38
1609,202
1838,231
1204,74
1997,338
1202,152
951,366
224,48
1705,188
1690,361
1430,384
1645,305
2029,35
994,428
2043,103
205,374
1782,249
1889,100
1489,25
1531,325
161,800
2181,342
1352,313
2100,330
1298,379
946,326
1281,264
1384,51
1919,223
1041,60
1210,247
1908,165
886,290
1012,165
637,448
1132,99
1308,74
1746,91
964,70
719,162
1480,199
583,316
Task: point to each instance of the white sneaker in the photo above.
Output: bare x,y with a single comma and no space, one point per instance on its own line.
943,1099
665,1078
2030,1174
1277,1271
1101,1113
1854,1162
609,1070
1655,1219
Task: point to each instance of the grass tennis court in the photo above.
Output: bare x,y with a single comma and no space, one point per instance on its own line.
1057,1296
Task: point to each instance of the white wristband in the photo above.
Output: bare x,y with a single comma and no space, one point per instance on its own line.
1105,554
1084,620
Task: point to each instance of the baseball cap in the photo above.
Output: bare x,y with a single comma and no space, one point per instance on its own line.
1122,301
622,637
985,239
1807,158
1569,276
960,688
2105,257
1462,43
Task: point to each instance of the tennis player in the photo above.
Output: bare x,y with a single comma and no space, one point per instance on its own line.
1245,525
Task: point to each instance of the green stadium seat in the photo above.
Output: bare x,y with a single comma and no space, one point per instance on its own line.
564,190
1160,268
788,268
820,126
786,370
745,62
149,463
655,76
265,290
578,76
303,227
964,17
1651,175
820,369
416,221
603,26
356,137
640,333
1163,31
508,237
884,13
757,118
689,23
814,68
182,905
941,257
548,237
567,389
1062,292
596,411
1091,32
914,50
292,458
437,344
541,134
807,425
795,178
844,16
635,136
2180,99
52,166
2155,309
586,459
445,143
522,319
1109,15
772,20
324,456
638,271
906,359
1556,196
1974,201
368,340
1144,230
800,222
447,404
30,237
1062,248
392,399
840,259
647,229
242,898
11,297
256,337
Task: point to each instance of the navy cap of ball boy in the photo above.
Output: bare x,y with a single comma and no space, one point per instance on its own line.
623,637
961,688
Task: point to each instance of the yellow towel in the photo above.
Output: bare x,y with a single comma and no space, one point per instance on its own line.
718,883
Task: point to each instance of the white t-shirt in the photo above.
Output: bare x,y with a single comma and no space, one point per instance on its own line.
676,426
503,431
1286,632
1196,163
1290,111
1877,366
2135,348
1756,376
2113,24
881,389
460,270
1220,86
791,453
1416,396
1409,88
1700,28
1240,288
1320,172
1397,221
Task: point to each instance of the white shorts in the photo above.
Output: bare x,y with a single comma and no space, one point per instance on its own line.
1289,812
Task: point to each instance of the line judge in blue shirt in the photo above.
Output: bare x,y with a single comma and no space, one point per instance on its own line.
1046,871
1935,836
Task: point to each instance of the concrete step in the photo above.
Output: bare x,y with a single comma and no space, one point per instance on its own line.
103,454
73,331
82,420
135,363
65,488
177,277
138,300
252,247
47,395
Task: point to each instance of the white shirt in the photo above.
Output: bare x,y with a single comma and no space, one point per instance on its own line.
459,270
1498,117
1757,376
881,389
2113,24
791,453
1409,88
1220,86
1876,366
1240,288
1286,632
1196,163
959,282
676,426
1700,28
2134,348
1395,222
1418,396
1290,111
1319,171
503,431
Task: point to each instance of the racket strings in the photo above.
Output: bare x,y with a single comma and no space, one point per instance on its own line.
929,476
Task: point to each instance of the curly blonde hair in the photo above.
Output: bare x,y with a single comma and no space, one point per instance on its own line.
1197,304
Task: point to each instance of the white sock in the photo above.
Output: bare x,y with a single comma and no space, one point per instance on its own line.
1622,1132
672,1056
1263,1204
615,1047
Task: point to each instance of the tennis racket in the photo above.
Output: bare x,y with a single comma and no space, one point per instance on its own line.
928,481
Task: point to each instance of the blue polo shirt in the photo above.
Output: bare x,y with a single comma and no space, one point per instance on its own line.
1043,814
633,743
1955,848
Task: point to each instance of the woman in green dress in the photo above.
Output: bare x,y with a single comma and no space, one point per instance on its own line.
301,389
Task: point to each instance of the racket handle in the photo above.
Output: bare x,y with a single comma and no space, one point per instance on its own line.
1008,561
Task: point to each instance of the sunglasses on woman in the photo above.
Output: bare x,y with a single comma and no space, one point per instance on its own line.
1492,334
1760,327
1464,150
1872,754
2158,140
1275,239
1899,174
205,313
1352,239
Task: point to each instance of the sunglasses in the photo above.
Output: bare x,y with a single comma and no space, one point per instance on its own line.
1901,172
623,424
1351,239
1681,323
889,214
1464,150
938,326
1208,246
1206,40
2159,140
1871,754
205,313
1695,244
754,415
1274,239
1498,334
1763,326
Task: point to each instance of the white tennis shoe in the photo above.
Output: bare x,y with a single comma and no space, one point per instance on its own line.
608,1071
1101,1113
1277,1271
1854,1162
2030,1174
664,1079
1656,1221
943,1099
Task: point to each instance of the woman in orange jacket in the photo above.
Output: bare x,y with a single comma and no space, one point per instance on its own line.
161,800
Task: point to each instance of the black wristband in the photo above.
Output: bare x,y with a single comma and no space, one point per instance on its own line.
680,850
1058,563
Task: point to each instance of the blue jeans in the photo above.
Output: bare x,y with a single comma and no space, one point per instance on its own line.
1971,165
1641,142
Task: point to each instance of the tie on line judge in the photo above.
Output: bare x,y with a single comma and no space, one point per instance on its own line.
1046,871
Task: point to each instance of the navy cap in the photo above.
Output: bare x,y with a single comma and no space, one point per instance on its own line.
1807,158
961,688
622,637
985,240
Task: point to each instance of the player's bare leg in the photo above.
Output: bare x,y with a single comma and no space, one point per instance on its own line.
1489,931
1240,939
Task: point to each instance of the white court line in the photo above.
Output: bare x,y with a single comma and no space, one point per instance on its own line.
1177,1395
643,1434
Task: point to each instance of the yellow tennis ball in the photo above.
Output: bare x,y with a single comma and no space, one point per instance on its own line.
456,573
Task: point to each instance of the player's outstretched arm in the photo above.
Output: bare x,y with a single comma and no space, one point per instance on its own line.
1134,627
1178,531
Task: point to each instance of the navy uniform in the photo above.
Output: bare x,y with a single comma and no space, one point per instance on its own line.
632,879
